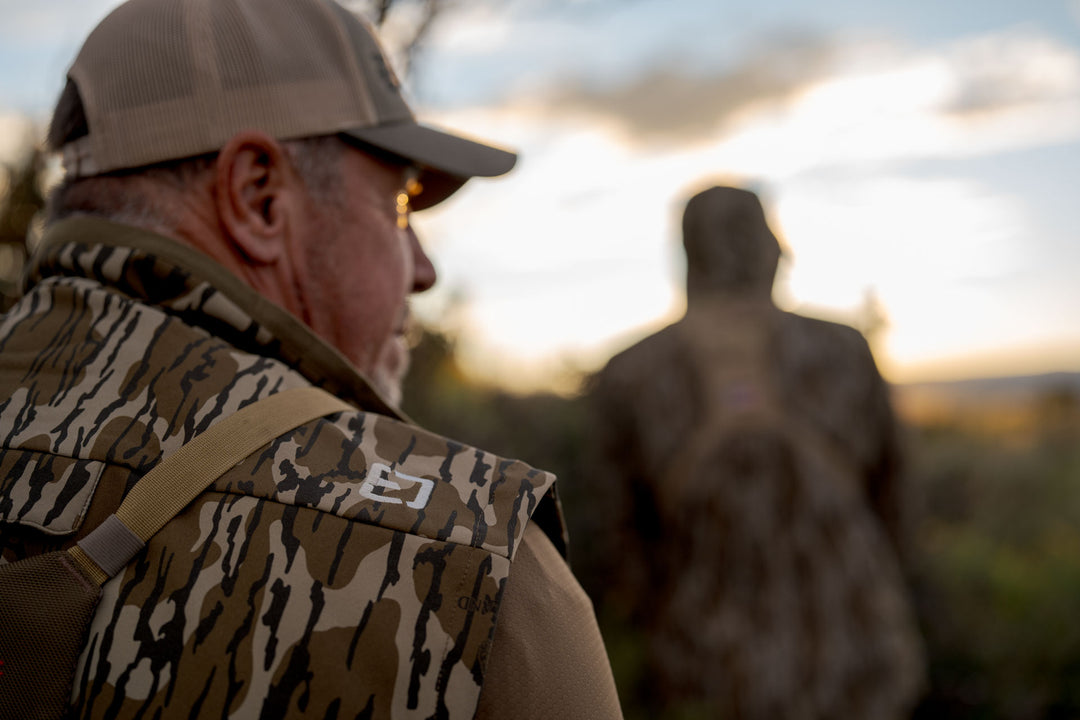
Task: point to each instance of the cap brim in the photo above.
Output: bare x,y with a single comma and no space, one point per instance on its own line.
446,160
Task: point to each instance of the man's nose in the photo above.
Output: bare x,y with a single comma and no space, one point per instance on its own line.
424,275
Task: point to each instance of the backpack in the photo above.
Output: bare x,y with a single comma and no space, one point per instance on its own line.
47,601
787,600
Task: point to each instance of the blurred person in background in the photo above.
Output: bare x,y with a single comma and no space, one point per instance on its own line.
234,222
754,466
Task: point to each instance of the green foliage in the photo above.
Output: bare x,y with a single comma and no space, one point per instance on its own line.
997,570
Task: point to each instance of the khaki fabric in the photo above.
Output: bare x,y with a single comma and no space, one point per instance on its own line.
547,658
355,566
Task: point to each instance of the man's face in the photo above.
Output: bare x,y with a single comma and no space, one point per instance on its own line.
361,266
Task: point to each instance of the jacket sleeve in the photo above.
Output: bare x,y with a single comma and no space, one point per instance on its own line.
547,657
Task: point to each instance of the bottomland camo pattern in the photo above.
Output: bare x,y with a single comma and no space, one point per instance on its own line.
767,584
352,568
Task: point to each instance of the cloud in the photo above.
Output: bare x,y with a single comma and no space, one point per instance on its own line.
863,98
829,130
1003,72
686,103
472,30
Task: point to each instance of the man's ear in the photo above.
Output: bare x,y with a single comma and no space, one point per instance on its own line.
255,185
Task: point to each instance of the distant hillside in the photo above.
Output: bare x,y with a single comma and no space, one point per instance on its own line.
926,400
1013,387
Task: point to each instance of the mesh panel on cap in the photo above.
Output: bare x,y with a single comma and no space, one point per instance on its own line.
169,79
382,84
257,47
281,67
166,79
139,82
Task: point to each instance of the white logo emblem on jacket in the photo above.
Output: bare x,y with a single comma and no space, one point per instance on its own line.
380,487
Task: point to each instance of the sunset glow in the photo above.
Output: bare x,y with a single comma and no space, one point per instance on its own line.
917,156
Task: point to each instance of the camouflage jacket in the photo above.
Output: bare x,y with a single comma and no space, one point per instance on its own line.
763,575
353,567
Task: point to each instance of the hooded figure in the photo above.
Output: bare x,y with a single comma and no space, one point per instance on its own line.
756,461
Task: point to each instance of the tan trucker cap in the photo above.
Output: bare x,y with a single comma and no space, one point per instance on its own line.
162,80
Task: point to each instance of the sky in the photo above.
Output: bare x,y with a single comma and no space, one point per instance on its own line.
918,162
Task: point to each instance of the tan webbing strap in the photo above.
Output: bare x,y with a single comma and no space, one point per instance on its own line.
176,481
90,569
111,545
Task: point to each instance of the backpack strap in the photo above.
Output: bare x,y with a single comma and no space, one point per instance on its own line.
47,601
175,481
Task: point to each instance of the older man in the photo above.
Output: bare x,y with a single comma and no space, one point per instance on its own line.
234,223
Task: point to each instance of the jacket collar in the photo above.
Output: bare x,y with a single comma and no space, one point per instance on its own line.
158,270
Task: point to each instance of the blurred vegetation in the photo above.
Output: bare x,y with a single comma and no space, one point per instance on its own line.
998,558
20,199
995,562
